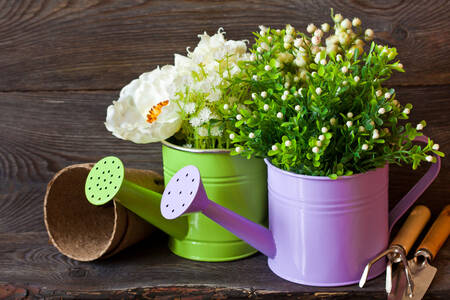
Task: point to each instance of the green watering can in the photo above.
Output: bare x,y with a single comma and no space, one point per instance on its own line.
239,184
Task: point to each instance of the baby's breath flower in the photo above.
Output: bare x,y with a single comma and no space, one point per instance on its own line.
318,91
349,114
375,134
356,22
364,147
356,78
288,143
349,124
325,27
387,95
251,135
205,114
311,28
279,115
216,131
189,108
274,148
297,108
435,147
429,158
195,122
419,126
264,94
324,130
406,111
267,68
263,29
287,85
202,131
266,107
238,117
382,110
379,93
344,69
315,149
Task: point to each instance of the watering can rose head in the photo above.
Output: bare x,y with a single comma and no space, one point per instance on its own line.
185,99
146,111
316,103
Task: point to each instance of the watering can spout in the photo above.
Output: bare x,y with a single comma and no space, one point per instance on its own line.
185,194
108,180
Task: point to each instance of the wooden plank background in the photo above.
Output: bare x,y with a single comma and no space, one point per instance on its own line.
63,62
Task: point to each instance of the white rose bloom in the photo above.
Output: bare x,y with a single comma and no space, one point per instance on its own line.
145,111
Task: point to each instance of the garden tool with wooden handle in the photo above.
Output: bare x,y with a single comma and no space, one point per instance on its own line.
400,247
421,270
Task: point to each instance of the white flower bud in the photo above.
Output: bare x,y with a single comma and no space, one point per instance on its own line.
226,107
239,117
318,91
267,68
297,108
349,124
279,115
265,46
283,97
419,127
321,137
323,62
395,102
344,83
400,66
338,57
435,147
349,114
232,136
318,33
346,24
264,94
325,27
356,78
315,40
298,43
287,143
266,107
375,134
319,143
381,110
253,96
369,34
361,129
333,121
288,38
300,90
315,149
274,148
379,93
387,95
406,111
324,130
356,22
311,28
344,69
259,49
429,158
238,149
251,135
338,18
269,39
365,147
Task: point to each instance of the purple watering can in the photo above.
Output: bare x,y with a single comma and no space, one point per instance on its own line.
322,232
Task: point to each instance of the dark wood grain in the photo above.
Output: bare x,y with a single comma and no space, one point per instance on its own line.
91,45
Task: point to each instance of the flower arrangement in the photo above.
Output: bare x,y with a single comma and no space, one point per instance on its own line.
316,105
183,100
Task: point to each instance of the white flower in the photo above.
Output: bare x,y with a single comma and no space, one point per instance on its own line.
429,158
255,77
232,136
333,121
318,91
189,108
400,66
344,69
381,110
263,29
253,96
379,93
419,126
319,143
251,135
264,94
287,45
356,78
318,33
300,90
226,106
238,149
349,124
344,83
349,114
346,24
252,57
321,137
298,43
406,111
195,122
387,95
216,131
264,46
369,34
274,148
338,57
365,147
324,130
311,28
338,18
297,108
205,114
361,129
375,134
356,22
266,107
323,62
238,117
286,93
325,27
146,111
315,149
288,38
435,147
287,85
315,40
267,68
287,143
279,115
283,97
269,38
202,131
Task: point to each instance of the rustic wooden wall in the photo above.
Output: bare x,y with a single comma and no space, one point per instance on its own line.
63,62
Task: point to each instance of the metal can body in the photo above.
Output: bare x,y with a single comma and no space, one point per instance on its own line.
231,181
326,230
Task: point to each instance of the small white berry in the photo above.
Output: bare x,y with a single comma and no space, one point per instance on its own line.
435,147
356,78
297,108
274,148
333,121
267,68
315,149
239,117
321,137
279,115
311,28
356,22
365,147
287,143
406,111
319,143
253,96
238,149
429,158
387,95
419,127
349,124
324,130
379,93
361,129
226,107
349,114
318,91
232,136
381,110
264,94
266,107
344,69
251,135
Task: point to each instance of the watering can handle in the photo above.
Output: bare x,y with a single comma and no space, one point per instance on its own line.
408,200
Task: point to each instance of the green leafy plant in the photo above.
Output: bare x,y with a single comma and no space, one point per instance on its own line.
316,105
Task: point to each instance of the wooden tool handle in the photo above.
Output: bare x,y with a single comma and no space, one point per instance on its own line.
438,233
409,232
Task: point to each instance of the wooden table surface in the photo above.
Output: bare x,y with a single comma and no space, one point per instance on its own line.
63,62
